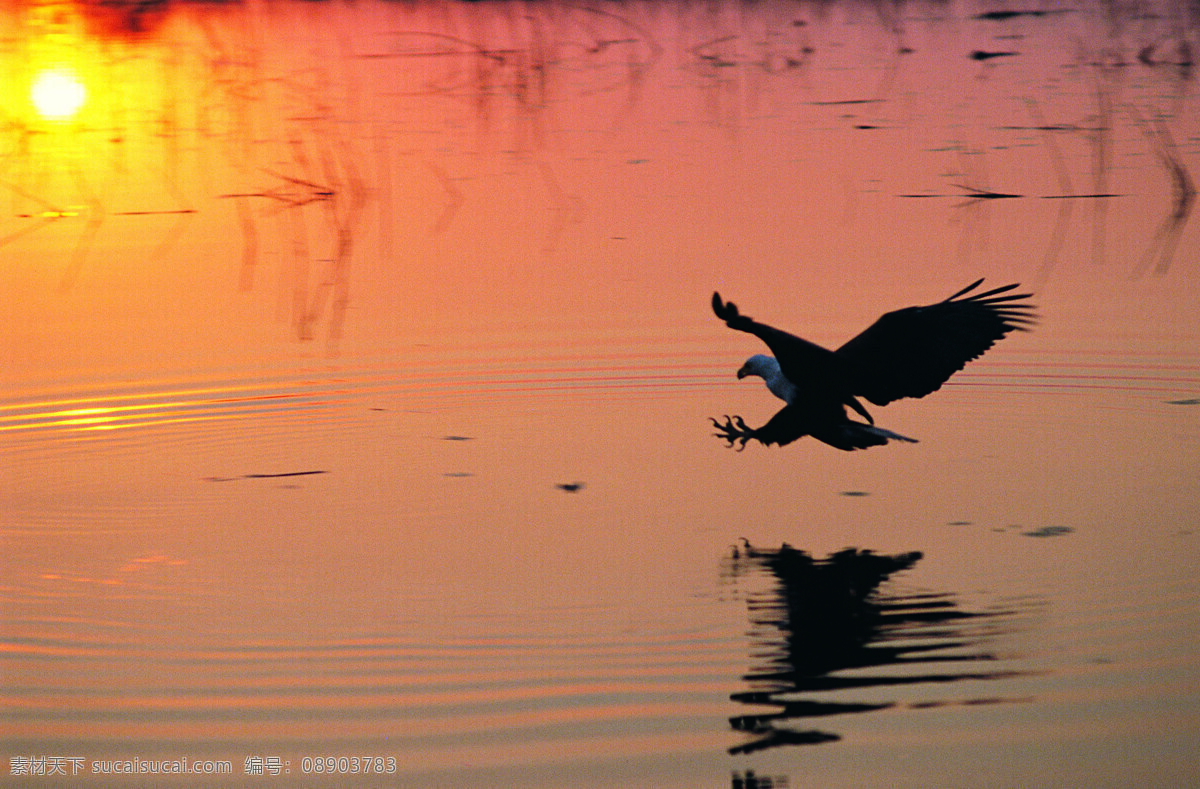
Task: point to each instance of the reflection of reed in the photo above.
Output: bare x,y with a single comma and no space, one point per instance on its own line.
94,218
342,193
1101,144
1058,235
243,106
454,198
1165,242
825,627
50,212
732,55
1106,63
565,209
489,65
91,213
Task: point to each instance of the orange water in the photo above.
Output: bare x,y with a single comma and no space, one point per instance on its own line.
452,256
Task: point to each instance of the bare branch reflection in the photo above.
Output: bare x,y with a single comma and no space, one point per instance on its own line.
1165,242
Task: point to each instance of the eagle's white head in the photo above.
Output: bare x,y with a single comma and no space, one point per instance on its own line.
767,368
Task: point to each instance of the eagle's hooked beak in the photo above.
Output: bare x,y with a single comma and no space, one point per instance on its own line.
742,372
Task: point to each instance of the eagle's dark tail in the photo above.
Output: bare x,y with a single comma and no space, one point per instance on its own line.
855,435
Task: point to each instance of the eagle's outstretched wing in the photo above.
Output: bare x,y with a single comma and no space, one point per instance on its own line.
911,352
799,359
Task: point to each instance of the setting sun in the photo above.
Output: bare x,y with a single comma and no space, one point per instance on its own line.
57,95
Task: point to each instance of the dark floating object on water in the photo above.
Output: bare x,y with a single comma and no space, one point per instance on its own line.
981,55
1188,401
458,438
267,476
285,474
1001,16
570,487
843,102
1048,531
909,352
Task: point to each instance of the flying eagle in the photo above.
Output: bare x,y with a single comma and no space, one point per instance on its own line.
906,353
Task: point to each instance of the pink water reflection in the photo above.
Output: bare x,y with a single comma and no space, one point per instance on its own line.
283,238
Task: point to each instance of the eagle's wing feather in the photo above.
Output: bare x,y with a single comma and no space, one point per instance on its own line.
799,359
911,352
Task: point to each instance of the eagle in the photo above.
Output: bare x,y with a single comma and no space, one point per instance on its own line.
908,352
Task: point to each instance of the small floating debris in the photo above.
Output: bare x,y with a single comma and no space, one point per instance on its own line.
959,523
1048,531
267,476
570,487
458,438
458,474
1188,401
1003,16
286,474
843,102
857,494
983,54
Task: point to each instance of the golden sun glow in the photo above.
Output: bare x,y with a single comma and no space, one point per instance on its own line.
57,94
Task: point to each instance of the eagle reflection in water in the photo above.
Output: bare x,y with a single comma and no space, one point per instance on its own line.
827,630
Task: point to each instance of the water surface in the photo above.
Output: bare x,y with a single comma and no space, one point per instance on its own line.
357,367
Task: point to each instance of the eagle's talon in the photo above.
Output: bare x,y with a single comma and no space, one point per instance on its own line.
734,430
